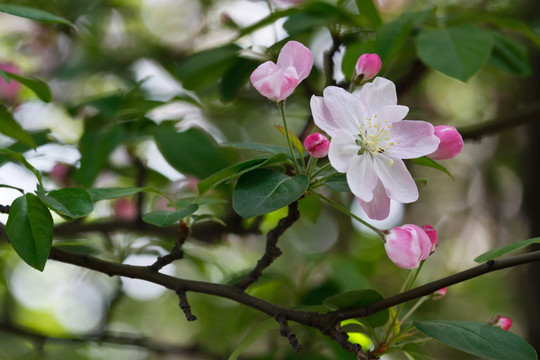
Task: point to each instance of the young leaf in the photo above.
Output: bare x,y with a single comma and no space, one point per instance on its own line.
35,14
165,218
457,51
296,143
40,88
30,230
10,127
262,191
97,194
358,298
70,202
495,253
425,161
253,335
479,339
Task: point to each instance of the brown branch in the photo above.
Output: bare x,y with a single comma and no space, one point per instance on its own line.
286,331
176,254
4,209
271,252
329,59
184,304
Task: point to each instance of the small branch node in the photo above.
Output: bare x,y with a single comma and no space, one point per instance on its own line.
176,254
286,331
184,304
4,209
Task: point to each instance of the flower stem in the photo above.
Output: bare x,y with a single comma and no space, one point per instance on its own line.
344,210
413,309
281,106
324,167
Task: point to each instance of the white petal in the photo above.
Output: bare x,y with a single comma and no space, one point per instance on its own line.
361,177
412,139
346,109
321,115
392,113
379,207
381,92
342,149
397,180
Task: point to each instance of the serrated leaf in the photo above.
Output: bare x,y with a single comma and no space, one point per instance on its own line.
40,88
296,143
35,14
479,339
457,51
425,161
10,127
165,218
30,230
262,191
359,298
495,253
237,170
97,194
253,335
71,202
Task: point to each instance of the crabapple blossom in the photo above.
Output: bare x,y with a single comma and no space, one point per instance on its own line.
407,245
278,80
9,91
317,145
430,231
369,141
450,145
501,321
125,209
367,66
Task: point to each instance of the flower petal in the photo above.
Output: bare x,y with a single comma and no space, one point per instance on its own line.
267,79
346,109
377,94
397,180
379,207
298,56
321,115
412,139
392,113
361,177
402,248
342,150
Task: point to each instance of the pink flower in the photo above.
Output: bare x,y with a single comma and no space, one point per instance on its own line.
278,81
124,209
439,294
407,245
317,145
432,234
501,321
9,91
450,145
367,66
60,173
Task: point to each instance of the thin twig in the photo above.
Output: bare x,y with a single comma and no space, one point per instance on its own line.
286,331
176,253
4,209
184,304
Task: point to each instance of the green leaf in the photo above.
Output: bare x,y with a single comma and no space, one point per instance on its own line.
416,352
71,202
457,51
253,335
190,152
35,14
262,191
205,67
165,217
425,161
509,55
270,19
479,339
495,253
316,15
265,148
369,12
10,127
338,183
236,170
236,77
358,298
97,194
30,230
40,88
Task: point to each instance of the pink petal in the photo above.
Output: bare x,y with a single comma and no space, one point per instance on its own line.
451,143
271,82
377,94
342,150
368,65
293,54
396,179
317,145
321,115
345,108
402,248
412,139
379,207
361,177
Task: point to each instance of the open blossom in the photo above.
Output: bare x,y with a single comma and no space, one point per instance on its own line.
369,141
451,143
367,66
278,80
317,145
407,245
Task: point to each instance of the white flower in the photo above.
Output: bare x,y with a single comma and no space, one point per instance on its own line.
369,139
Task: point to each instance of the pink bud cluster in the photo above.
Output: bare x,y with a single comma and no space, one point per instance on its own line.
409,244
317,145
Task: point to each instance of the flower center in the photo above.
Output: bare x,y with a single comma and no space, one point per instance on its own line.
374,137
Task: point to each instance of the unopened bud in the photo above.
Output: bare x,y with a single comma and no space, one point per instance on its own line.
439,294
501,321
367,66
450,145
9,91
317,145
125,209
430,231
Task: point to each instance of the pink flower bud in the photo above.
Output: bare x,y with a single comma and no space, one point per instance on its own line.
367,66
450,145
501,321
317,145
278,81
125,209
439,294
407,245
9,91
60,173
430,231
